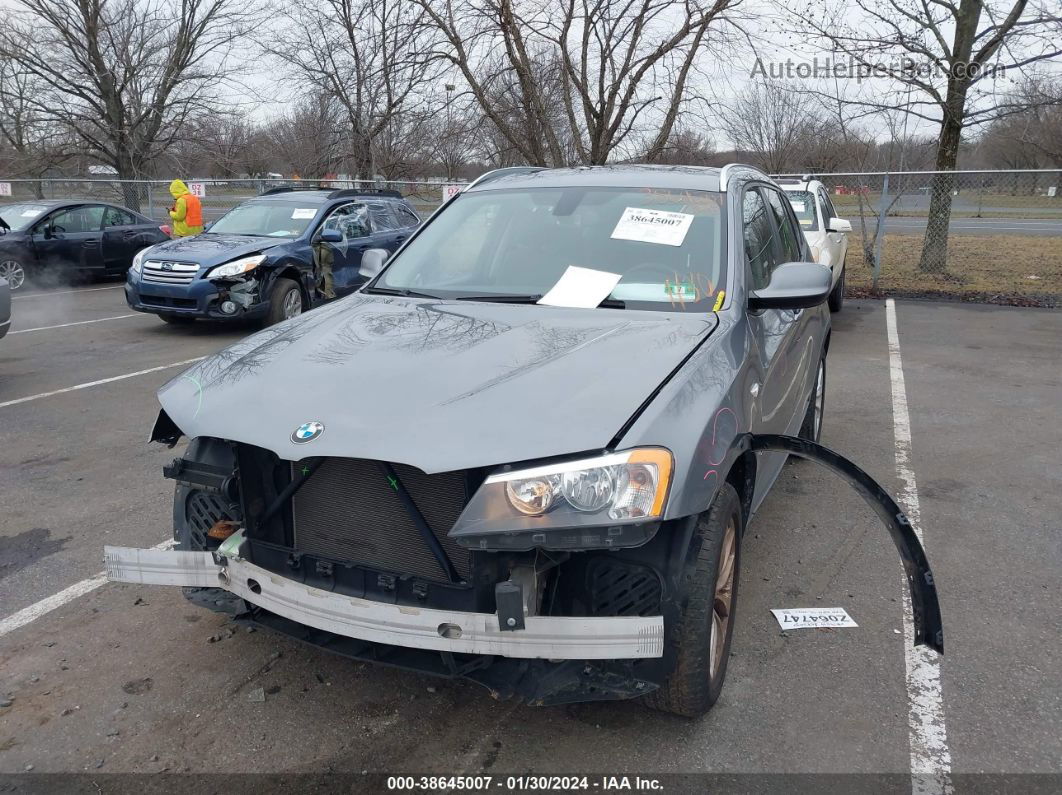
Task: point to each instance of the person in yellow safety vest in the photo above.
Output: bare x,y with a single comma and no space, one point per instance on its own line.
187,211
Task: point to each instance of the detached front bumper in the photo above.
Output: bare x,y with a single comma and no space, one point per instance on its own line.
544,637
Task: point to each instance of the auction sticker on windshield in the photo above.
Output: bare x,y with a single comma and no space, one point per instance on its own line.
652,226
303,212
809,617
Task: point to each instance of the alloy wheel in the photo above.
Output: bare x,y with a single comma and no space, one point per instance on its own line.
820,400
292,305
13,272
724,598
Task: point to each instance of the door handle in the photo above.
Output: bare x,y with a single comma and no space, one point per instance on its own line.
90,243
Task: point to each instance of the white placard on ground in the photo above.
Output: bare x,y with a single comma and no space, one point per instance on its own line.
811,617
652,226
197,189
581,287
5,188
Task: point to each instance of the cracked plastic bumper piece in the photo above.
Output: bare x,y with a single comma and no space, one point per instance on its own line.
546,637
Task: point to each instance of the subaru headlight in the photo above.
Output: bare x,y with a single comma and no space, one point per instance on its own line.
138,260
237,267
615,500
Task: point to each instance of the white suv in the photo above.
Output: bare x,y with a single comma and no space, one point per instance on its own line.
827,235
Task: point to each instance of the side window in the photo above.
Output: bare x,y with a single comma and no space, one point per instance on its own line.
351,220
759,238
112,216
382,220
406,217
788,232
87,218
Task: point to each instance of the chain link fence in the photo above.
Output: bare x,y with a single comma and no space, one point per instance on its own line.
989,236
993,236
152,197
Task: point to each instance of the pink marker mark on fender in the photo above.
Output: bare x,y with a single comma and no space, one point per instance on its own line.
716,456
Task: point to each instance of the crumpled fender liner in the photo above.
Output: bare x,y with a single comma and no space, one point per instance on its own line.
928,628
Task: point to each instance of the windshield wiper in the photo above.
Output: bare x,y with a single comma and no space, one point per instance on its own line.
502,299
403,292
607,303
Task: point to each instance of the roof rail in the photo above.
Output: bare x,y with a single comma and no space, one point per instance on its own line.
724,173
490,176
289,188
345,192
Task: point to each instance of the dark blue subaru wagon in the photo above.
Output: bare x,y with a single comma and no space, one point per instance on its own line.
262,259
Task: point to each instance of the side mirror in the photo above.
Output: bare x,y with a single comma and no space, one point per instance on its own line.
794,285
373,261
331,236
838,225
207,227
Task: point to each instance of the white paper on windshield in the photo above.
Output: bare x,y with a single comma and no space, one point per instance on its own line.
32,212
652,226
583,288
303,212
811,617
798,205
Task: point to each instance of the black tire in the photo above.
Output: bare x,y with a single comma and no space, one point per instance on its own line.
693,686
836,298
279,299
178,320
811,428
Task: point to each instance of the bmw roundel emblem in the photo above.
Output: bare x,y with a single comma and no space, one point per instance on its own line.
307,432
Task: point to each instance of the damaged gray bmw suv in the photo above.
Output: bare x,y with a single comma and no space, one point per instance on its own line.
524,452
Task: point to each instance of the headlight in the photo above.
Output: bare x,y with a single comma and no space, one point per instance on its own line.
589,503
236,267
138,260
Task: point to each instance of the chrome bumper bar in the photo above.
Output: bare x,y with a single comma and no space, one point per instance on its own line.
546,637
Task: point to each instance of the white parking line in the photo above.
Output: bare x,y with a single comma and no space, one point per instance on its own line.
77,323
65,292
930,756
42,608
113,378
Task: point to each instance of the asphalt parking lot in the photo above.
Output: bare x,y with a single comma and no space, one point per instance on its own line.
119,679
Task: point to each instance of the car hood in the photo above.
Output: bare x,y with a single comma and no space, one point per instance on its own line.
210,250
439,385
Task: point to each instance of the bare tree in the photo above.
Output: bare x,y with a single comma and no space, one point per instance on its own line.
610,63
775,125
936,55
309,139
123,75
373,57
35,143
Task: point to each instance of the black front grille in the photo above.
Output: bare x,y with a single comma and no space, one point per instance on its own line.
618,588
202,511
348,511
163,300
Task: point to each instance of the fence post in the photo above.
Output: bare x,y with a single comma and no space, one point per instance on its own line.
150,202
879,233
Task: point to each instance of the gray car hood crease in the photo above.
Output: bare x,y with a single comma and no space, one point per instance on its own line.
439,385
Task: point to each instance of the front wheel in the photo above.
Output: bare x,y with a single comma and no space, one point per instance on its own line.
14,272
811,428
706,626
285,302
836,297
